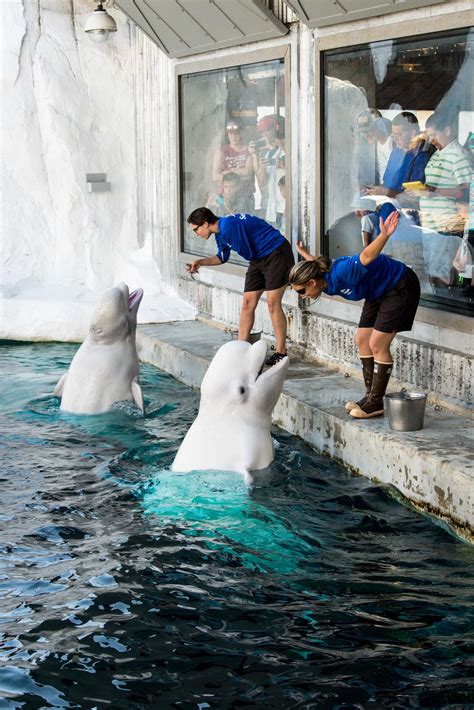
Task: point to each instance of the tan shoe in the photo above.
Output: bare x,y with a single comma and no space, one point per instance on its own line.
375,410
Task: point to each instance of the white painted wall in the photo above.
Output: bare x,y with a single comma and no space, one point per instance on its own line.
69,109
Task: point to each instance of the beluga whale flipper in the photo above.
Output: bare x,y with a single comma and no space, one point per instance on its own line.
105,369
232,429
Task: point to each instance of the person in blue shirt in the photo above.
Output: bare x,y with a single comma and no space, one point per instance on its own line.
408,159
270,257
391,291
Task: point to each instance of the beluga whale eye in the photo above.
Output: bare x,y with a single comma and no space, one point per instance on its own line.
239,390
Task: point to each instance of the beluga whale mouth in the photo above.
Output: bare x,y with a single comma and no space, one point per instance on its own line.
134,298
258,357
273,369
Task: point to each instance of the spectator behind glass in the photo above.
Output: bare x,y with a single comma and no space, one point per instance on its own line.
444,197
269,164
366,210
408,158
233,156
232,200
375,146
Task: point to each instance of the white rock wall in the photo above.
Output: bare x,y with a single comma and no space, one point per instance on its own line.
68,109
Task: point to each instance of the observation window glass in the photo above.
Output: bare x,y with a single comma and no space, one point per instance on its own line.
398,126
232,146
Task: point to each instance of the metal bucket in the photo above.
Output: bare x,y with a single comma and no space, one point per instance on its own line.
234,335
405,410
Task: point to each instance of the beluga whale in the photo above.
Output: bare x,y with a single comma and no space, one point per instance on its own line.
232,429
105,369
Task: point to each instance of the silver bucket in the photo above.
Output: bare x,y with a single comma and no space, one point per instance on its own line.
253,337
405,410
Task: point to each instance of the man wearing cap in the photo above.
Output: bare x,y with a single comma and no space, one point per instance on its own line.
270,257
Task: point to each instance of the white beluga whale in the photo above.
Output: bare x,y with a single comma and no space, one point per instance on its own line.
232,429
105,369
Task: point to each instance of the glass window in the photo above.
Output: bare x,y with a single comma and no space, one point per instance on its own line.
398,119
232,146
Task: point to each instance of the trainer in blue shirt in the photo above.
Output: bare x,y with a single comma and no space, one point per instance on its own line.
270,257
391,291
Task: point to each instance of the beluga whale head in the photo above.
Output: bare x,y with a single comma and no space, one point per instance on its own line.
235,382
105,369
115,315
232,429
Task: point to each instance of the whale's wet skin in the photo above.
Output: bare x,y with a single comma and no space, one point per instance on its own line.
124,585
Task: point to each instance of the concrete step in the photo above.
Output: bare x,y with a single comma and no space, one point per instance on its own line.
433,468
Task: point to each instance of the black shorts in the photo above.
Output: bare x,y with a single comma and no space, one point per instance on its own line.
395,310
272,271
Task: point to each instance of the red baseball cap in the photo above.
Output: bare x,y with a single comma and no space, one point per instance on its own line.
268,123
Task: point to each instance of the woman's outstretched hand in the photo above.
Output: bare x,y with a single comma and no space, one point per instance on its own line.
302,251
388,226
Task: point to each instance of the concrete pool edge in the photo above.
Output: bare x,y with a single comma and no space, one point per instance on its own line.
433,469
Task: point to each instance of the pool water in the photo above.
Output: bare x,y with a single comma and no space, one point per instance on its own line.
123,585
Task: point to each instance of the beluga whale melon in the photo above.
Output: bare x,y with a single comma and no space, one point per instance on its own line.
105,369
232,429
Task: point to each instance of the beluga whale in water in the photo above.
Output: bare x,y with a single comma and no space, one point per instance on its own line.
105,369
232,429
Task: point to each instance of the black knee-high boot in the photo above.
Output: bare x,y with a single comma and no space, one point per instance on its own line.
367,373
373,405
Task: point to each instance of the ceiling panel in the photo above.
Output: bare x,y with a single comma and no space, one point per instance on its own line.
321,13
184,27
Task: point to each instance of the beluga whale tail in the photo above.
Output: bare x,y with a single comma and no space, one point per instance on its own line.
105,369
232,429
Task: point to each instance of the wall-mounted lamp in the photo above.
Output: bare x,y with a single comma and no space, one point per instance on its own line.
100,24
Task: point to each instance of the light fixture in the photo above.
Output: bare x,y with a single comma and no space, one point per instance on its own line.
100,24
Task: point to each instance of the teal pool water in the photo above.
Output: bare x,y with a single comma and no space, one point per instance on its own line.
124,585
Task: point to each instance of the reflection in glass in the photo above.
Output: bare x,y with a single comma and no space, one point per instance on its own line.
399,127
232,145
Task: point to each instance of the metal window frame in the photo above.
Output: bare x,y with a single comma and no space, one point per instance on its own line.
281,51
407,29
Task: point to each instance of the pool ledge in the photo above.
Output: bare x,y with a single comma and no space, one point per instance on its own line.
432,468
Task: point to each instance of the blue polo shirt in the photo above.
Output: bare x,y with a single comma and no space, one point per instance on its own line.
251,237
405,167
348,278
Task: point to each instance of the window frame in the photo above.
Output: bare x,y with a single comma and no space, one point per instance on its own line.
281,51
428,312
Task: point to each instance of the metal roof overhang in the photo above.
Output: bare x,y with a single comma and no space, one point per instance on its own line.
321,13
185,27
